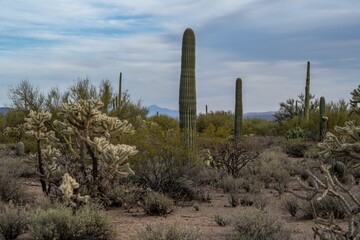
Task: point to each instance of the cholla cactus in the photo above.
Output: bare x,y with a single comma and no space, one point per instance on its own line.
35,125
346,142
92,129
67,187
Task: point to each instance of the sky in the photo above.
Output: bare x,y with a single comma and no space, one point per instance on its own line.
266,43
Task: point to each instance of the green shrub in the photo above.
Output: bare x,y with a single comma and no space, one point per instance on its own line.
295,133
258,225
60,223
13,222
158,204
170,232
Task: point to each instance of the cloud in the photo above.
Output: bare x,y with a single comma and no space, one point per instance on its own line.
266,43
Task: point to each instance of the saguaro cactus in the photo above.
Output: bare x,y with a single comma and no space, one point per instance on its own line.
187,93
323,119
307,93
238,109
120,90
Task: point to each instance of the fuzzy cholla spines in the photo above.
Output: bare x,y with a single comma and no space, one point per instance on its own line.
91,129
67,187
345,142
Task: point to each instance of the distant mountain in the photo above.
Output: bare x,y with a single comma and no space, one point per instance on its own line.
268,116
154,109
4,110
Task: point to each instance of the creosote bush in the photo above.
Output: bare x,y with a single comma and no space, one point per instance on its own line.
11,188
167,232
60,223
258,225
158,204
13,222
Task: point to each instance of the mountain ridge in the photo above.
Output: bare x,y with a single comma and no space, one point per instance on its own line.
155,109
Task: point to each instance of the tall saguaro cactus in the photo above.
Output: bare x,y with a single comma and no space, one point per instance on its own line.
120,90
238,109
307,93
187,92
323,119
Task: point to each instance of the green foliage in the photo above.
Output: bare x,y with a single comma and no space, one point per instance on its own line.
167,232
61,223
133,112
258,225
187,92
162,163
13,222
260,127
165,122
295,133
238,109
158,204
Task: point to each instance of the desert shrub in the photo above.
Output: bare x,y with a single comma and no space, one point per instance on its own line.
281,178
323,208
169,232
258,225
126,195
234,199
11,188
260,201
291,204
221,220
295,133
61,223
234,155
296,148
246,200
161,163
13,222
251,183
158,204
230,184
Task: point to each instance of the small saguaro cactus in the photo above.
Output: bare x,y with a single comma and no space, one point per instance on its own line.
187,93
307,94
323,119
20,149
238,109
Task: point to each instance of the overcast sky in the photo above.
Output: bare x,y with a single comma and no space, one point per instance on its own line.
266,43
